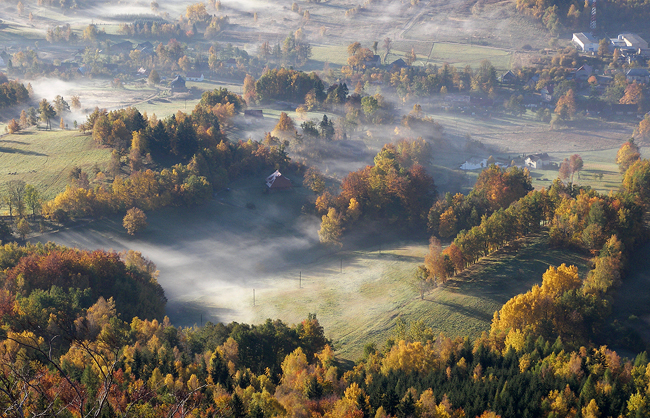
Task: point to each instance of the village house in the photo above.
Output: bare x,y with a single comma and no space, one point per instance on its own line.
194,76
178,85
583,73
547,93
122,47
373,62
537,160
398,64
640,75
474,163
509,78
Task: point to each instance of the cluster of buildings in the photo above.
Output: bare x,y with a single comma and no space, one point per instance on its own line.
532,161
632,47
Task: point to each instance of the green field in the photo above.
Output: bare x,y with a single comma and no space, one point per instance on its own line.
362,303
458,55
44,158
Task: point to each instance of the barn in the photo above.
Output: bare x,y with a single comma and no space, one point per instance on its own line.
277,181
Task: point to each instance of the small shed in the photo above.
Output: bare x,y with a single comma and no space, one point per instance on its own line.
254,113
277,181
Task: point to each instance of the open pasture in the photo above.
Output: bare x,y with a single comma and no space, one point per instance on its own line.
44,158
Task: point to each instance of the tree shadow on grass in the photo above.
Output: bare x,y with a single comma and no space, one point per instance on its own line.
512,271
20,151
9,141
463,310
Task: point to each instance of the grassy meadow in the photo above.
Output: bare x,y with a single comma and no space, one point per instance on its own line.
44,158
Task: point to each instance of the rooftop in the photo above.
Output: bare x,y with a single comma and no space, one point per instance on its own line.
585,37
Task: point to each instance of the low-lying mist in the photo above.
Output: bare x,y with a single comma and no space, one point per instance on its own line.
212,257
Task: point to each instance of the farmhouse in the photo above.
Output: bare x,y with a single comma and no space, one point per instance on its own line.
373,62
144,45
178,84
509,78
583,73
474,163
277,181
640,75
125,46
585,42
194,76
537,160
398,64
547,93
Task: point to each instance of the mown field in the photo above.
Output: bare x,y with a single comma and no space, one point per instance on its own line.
44,158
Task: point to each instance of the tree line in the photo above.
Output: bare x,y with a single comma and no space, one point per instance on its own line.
73,352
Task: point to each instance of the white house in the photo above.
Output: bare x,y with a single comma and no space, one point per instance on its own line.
537,160
585,42
194,76
474,163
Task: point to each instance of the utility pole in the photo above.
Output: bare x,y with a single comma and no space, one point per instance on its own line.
300,281
253,297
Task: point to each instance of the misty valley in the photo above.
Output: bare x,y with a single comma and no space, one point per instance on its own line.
322,209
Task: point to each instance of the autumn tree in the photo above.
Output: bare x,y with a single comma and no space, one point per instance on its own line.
331,229
284,129
633,94
388,43
566,105
46,111
637,180
410,57
314,180
32,199
23,228
575,165
75,103
434,262
565,169
14,197
154,77
421,281
627,155
643,130
134,221
603,47
24,122
13,126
